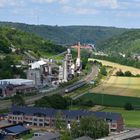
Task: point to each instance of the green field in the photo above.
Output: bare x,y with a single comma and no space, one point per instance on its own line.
112,100
131,118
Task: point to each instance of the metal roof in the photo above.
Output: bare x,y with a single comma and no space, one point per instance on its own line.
129,135
16,81
16,129
47,136
50,112
36,65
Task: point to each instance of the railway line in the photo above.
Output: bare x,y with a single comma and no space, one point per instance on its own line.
83,82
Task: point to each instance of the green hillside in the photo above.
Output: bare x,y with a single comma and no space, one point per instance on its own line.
68,35
27,41
127,42
105,38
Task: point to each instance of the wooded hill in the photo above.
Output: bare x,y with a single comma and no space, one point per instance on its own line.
25,41
68,35
128,42
109,39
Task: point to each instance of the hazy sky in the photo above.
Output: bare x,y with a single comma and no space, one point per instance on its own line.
119,13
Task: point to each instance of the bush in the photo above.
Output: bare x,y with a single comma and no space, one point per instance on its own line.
103,71
119,73
128,73
55,101
128,106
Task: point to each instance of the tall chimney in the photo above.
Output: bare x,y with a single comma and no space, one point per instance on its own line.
78,49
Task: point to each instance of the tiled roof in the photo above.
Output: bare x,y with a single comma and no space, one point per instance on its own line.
67,113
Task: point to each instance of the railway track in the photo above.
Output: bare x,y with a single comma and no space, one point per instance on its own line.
83,82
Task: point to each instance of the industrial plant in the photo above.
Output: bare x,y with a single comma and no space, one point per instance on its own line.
45,73
69,69
41,72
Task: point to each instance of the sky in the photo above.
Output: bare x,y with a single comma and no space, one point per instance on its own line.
118,13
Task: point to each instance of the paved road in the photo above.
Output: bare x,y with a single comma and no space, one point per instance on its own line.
30,99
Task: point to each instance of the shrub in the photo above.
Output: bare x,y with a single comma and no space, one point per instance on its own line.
128,106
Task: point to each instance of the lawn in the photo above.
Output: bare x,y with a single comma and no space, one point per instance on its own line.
112,100
131,118
28,136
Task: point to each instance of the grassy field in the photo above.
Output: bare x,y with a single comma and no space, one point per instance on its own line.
131,118
125,86
118,66
111,100
115,85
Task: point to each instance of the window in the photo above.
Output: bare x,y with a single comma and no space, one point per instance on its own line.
46,124
41,120
40,124
35,124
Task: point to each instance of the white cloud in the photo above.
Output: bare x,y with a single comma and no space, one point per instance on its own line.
44,1
51,1
79,11
128,14
113,4
4,3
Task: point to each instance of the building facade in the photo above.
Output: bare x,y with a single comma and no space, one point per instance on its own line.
46,117
9,87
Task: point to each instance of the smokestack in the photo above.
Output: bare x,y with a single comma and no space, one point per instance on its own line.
78,49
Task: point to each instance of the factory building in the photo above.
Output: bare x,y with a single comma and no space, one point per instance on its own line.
46,117
41,73
9,87
69,69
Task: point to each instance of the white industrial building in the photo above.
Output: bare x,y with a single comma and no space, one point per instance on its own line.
17,81
68,69
41,73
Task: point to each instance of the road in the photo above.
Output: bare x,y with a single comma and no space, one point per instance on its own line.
30,99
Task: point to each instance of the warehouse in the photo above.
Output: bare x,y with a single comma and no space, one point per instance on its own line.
16,82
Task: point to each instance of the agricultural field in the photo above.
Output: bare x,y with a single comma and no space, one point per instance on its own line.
111,100
131,118
125,86
114,103
115,85
117,66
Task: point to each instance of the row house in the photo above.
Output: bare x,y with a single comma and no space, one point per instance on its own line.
46,117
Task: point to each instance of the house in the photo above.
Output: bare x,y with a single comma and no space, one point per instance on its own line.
14,131
46,117
46,136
